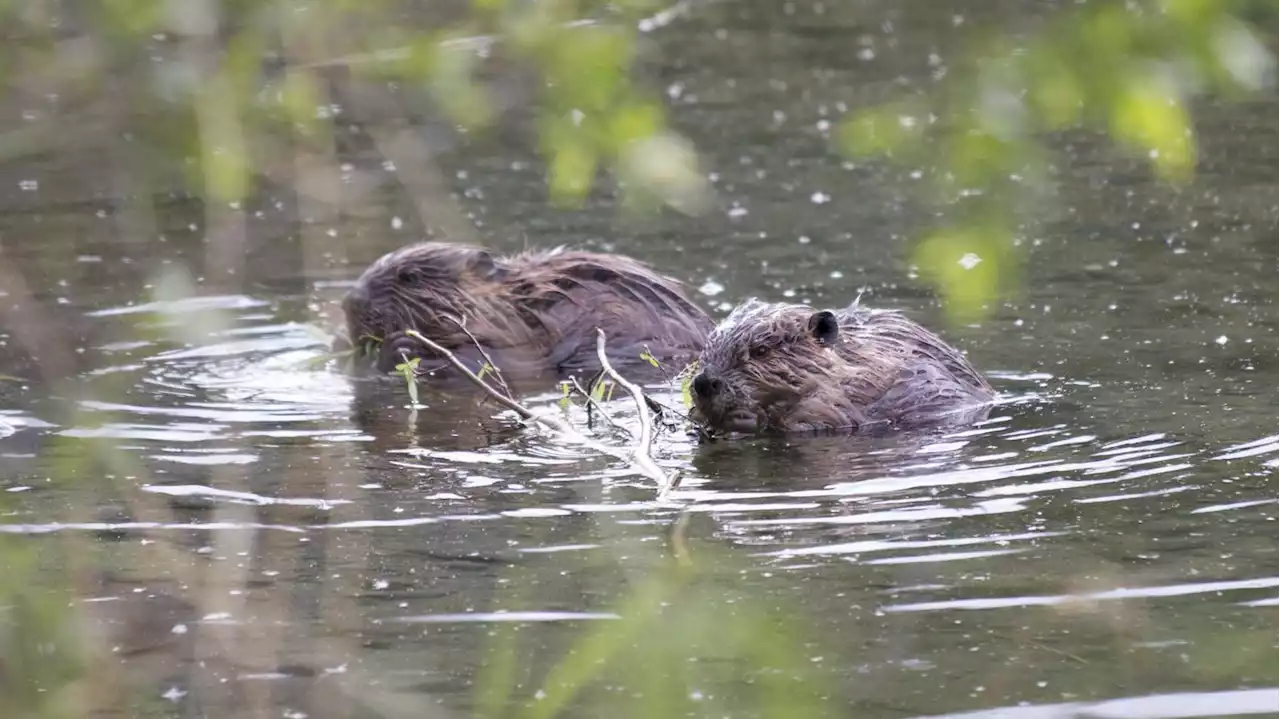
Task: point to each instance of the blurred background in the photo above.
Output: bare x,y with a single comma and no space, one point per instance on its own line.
203,515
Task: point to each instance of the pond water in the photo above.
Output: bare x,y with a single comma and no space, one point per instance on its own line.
247,531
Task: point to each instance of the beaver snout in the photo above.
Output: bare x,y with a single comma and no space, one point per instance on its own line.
706,387
356,301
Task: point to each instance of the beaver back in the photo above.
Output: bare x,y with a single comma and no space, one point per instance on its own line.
533,312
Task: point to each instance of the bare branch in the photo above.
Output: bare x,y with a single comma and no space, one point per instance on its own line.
640,461
497,371
592,403
641,457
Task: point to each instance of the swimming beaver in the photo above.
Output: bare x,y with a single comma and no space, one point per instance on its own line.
789,368
532,312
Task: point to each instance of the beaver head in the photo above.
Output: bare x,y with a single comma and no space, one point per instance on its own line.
772,366
417,287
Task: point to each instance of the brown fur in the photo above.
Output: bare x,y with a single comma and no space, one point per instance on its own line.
532,313
789,368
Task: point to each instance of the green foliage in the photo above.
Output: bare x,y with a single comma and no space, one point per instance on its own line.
601,390
220,103
408,370
685,378
1129,69
677,613
38,639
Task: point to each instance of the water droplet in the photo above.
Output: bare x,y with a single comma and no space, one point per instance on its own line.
711,288
29,185
173,694
820,198
969,261
396,223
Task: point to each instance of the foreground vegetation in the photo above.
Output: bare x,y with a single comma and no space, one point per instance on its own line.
260,95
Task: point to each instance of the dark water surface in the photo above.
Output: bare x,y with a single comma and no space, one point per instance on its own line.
274,539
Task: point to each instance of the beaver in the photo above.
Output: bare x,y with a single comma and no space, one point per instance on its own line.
791,368
531,313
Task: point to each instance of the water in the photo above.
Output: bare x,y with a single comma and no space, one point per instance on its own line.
246,530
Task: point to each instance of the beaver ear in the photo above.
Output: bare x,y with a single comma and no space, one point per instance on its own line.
824,327
484,266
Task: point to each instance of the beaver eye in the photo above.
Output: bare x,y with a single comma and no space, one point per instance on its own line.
760,351
407,276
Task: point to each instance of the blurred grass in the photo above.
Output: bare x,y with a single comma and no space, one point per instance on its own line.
681,645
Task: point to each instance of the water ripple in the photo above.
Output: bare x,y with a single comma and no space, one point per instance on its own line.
1170,590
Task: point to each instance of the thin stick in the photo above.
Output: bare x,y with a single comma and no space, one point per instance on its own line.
639,461
497,373
641,456
593,404
500,398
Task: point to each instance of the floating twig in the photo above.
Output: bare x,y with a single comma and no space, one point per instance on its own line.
497,372
639,459
592,404
641,456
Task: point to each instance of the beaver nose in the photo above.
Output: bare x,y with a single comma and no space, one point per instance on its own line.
357,296
704,386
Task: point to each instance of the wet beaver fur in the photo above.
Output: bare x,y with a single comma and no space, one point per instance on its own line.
791,368
533,312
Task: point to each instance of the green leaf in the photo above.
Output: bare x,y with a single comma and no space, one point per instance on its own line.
406,369
1054,88
1149,116
452,68
880,130
223,154
664,167
299,98
635,121
965,262
573,162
